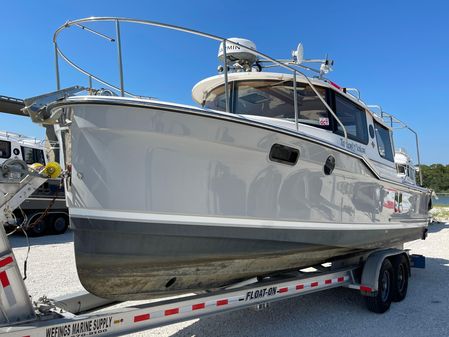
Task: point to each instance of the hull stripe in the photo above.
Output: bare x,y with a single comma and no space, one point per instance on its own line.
237,222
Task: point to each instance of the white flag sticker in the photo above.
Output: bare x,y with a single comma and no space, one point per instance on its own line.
324,121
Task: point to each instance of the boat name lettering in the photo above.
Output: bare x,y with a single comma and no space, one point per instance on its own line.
260,293
80,329
352,146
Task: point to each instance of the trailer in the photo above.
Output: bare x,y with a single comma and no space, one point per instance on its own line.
381,276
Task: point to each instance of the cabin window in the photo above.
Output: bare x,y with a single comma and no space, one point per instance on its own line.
31,156
275,99
5,149
412,173
353,118
384,144
401,168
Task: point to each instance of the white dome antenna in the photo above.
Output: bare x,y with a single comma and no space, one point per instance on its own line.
238,54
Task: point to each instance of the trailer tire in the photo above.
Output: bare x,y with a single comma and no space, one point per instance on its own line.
38,229
59,223
401,275
382,301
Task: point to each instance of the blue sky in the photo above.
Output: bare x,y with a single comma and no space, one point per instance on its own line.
395,52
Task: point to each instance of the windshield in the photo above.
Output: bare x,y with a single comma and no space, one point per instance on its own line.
272,99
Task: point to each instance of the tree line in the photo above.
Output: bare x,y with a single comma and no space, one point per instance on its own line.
436,177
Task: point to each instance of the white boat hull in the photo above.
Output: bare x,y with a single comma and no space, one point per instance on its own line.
166,199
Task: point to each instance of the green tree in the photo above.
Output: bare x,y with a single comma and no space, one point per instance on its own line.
436,177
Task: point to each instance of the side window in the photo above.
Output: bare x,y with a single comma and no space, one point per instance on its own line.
401,168
40,158
216,99
411,173
31,156
353,118
27,155
311,109
5,149
384,142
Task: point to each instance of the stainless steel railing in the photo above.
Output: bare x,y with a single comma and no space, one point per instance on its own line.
121,89
396,123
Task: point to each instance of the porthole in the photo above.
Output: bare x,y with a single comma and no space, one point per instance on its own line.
329,165
371,131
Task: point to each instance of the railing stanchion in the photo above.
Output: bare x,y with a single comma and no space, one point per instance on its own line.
90,84
119,55
58,84
295,100
226,76
417,153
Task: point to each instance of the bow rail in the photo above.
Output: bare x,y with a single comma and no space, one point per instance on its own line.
118,20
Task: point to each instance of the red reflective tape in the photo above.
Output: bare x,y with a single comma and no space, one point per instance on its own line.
4,279
283,290
335,85
314,284
6,261
365,288
141,318
299,286
198,306
222,302
328,282
341,279
173,311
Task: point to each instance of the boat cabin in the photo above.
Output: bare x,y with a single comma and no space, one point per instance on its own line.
269,98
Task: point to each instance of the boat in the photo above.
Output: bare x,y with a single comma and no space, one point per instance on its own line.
271,171
15,146
404,165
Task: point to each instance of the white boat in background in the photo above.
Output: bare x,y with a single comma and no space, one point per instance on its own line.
17,146
405,167
272,171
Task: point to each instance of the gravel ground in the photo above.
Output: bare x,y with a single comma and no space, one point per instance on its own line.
337,312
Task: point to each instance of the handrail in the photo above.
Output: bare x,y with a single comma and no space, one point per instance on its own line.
394,119
85,72
353,89
19,137
181,29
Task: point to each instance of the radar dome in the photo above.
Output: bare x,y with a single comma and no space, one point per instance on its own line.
236,53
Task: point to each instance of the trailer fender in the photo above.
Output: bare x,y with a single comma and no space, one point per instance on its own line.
371,269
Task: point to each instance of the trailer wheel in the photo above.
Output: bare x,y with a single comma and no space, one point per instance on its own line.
38,229
59,223
401,274
382,301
